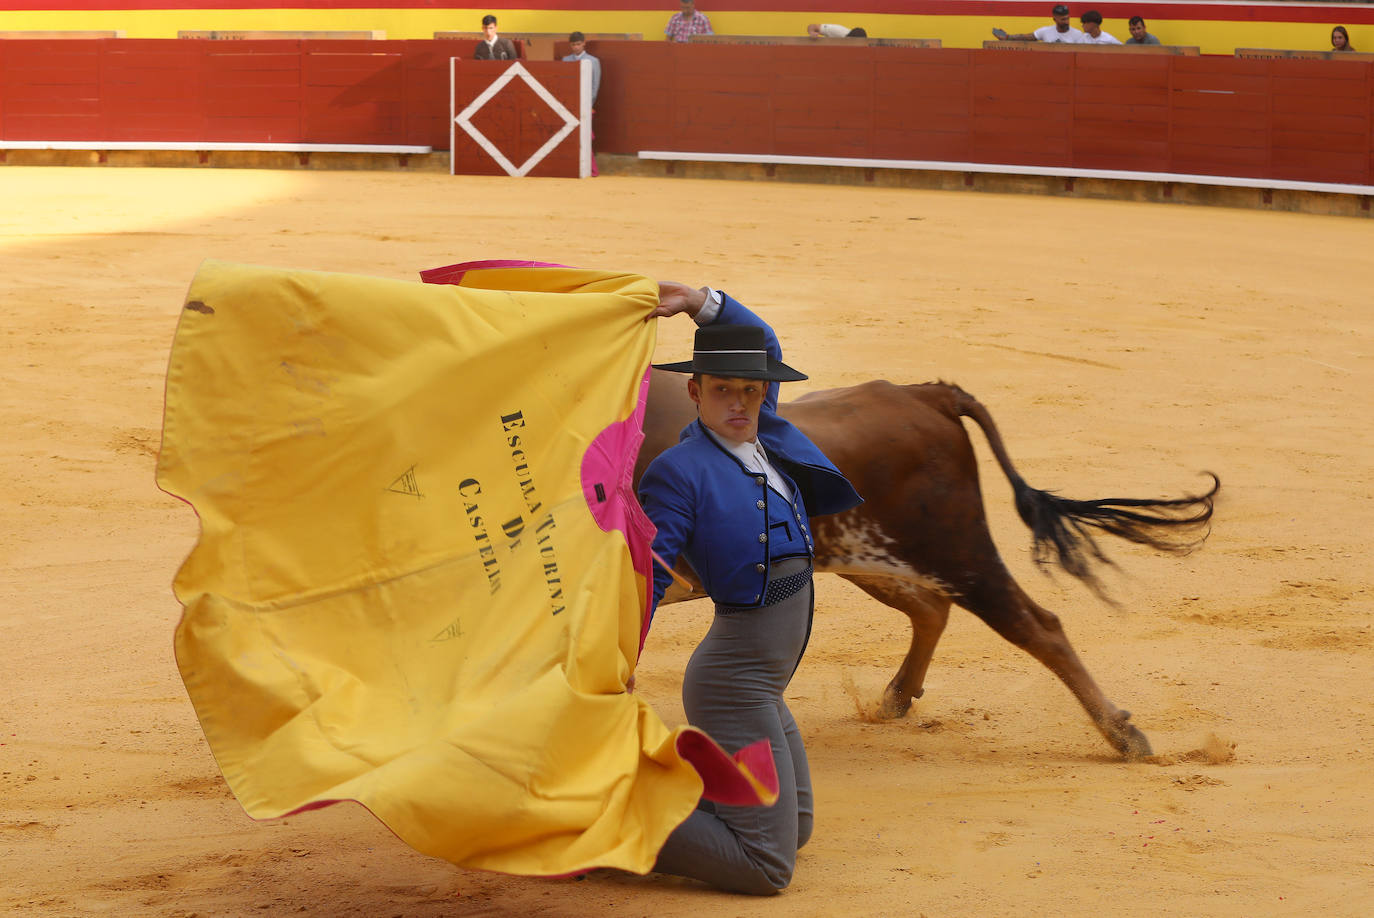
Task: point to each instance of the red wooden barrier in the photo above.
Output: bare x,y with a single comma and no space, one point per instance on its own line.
1305,120
267,91
1282,119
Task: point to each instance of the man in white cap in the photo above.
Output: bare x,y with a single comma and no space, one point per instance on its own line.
1058,31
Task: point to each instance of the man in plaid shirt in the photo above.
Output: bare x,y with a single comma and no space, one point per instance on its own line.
682,26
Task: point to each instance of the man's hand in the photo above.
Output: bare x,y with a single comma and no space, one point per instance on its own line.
674,298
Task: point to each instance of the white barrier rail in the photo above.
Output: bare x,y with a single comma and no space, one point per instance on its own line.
1002,169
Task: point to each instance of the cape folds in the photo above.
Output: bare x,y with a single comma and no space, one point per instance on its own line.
420,582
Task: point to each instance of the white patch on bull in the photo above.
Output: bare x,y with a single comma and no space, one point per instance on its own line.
857,546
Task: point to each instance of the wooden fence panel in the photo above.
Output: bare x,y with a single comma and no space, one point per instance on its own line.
1320,120
252,90
821,104
425,93
352,92
922,105
52,89
634,108
151,89
1120,111
1022,108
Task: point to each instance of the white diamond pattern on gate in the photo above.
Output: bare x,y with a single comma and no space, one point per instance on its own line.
464,120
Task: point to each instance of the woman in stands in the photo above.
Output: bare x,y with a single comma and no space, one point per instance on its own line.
1340,39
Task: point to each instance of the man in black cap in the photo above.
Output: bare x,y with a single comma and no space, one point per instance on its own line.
734,498
1060,31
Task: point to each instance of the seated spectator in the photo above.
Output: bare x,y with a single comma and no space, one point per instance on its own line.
578,46
1340,39
493,48
1092,30
829,30
1060,31
683,25
1138,34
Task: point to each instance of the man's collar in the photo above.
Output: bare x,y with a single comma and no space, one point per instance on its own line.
739,450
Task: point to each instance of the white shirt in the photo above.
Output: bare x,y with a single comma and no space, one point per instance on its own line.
830,30
710,309
1103,38
1052,33
755,459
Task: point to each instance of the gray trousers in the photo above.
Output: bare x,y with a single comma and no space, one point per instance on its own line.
733,689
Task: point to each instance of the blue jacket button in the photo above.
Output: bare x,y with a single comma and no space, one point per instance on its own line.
761,505
760,568
763,537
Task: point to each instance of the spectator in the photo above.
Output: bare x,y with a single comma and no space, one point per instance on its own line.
1092,30
578,43
1138,34
1060,31
493,48
1340,39
829,30
578,47
683,25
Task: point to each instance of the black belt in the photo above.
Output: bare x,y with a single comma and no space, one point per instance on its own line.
779,588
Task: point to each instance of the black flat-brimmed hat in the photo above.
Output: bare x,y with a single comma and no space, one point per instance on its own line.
733,350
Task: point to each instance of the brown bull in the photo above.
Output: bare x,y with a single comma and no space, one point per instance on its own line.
921,542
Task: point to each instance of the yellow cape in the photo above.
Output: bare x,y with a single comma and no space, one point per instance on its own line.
400,595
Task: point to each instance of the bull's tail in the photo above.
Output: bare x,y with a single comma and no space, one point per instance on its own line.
1061,529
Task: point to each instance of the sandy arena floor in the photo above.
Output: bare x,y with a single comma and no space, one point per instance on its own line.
1122,348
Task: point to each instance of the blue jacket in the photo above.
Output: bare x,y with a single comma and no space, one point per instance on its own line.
724,518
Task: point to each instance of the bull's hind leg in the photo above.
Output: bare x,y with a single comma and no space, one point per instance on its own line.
1036,630
928,612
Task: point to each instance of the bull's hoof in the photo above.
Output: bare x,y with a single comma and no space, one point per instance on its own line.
894,705
1134,745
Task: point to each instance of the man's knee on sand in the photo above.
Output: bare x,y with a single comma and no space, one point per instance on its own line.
772,870
764,881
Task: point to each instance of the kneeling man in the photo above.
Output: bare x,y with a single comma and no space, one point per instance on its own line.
734,498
